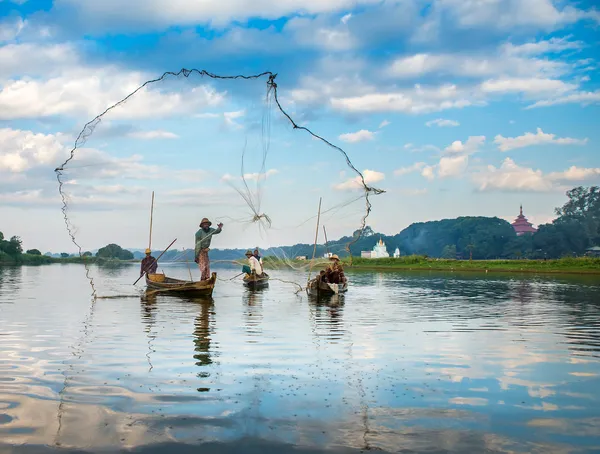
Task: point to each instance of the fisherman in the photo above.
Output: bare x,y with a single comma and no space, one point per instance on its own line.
254,266
257,255
149,264
203,238
334,271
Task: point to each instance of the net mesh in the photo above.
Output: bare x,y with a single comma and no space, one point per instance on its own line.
214,146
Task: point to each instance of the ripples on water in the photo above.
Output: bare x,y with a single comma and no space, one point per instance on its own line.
403,363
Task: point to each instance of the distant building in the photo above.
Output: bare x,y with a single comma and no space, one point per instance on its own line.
397,253
327,255
593,251
379,251
301,257
522,226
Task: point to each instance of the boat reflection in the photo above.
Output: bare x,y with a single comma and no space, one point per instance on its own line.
253,314
328,314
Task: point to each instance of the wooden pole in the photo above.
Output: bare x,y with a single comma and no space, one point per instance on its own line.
326,241
157,259
316,237
151,215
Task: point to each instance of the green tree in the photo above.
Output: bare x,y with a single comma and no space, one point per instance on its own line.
13,247
583,206
449,251
64,255
87,254
33,252
114,251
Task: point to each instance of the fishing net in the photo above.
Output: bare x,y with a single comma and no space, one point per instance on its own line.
227,148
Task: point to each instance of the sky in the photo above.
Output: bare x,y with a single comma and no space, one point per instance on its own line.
452,107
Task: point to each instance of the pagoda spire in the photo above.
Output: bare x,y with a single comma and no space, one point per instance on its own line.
521,210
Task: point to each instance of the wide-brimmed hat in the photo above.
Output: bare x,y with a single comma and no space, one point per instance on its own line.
205,221
334,257
148,251
248,252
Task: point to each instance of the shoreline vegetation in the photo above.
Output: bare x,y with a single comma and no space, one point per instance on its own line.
568,265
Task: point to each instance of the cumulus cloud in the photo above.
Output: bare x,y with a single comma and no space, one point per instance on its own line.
470,146
552,45
529,86
455,159
441,122
10,28
83,92
22,150
451,166
512,177
370,176
359,136
529,139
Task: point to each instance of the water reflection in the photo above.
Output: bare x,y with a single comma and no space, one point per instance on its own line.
425,362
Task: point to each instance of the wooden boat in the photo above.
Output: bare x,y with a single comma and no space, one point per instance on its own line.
316,287
252,281
159,283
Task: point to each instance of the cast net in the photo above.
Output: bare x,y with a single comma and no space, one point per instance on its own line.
232,149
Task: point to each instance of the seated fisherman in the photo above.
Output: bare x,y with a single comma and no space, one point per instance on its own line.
257,255
335,270
149,264
254,266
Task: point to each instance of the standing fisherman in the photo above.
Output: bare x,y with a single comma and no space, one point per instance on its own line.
203,238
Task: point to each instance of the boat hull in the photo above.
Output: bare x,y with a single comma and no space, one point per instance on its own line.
317,288
169,286
255,282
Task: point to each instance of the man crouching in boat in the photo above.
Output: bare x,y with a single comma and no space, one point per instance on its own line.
149,264
254,266
335,271
203,238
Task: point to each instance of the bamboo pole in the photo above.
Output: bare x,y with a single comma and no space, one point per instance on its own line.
157,259
326,241
151,215
316,237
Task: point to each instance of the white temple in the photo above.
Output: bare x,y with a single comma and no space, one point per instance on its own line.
379,251
397,253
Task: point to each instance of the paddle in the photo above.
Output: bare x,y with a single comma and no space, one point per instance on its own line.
145,271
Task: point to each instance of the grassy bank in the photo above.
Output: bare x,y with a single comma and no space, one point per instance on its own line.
584,265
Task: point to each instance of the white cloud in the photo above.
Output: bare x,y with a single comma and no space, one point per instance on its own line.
471,145
441,122
370,176
428,173
451,166
23,150
529,139
512,177
581,97
419,149
35,59
417,101
162,13
359,136
553,45
574,173
384,123
417,166
84,92
260,176
530,86
150,135
346,18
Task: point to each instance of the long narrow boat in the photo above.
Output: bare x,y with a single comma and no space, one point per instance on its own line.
254,282
316,287
160,283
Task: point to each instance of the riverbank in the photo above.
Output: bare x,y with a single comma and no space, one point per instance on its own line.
583,265
30,259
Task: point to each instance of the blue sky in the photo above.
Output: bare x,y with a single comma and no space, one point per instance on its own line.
453,107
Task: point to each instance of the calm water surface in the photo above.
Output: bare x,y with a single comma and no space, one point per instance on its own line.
404,363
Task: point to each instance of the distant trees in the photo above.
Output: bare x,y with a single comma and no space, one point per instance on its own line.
114,251
12,247
64,255
87,254
33,252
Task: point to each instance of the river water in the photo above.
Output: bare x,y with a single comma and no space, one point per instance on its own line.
405,362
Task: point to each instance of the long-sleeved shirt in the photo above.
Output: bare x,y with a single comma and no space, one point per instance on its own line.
203,238
148,265
255,265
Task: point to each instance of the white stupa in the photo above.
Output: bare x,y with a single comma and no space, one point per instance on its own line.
397,253
379,250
